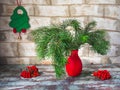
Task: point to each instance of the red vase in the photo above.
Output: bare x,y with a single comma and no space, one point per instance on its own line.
74,64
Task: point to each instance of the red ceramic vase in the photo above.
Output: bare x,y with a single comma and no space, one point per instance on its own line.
74,64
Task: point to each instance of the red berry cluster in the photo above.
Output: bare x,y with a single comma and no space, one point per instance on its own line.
15,31
32,71
102,74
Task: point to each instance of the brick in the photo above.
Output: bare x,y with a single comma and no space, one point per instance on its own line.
103,23
14,2
9,36
24,60
42,2
4,21
24,2
27,2
15,61
105,60
101,1
2,36
8,2
29,9
89,56
25,37
8,49
89,60
115,59
62,2
117,23
118,51
3,60
43,61
84,50
112,11
114,38
1,9
117,1
27,49
36,22
95,60
51,10
81,10
8,9
112,51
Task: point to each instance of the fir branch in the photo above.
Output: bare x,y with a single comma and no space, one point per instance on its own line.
56,42
90,26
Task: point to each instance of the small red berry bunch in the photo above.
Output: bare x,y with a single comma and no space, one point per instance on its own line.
31,71
15,31
102,74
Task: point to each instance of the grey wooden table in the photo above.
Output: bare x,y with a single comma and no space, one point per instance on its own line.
10,79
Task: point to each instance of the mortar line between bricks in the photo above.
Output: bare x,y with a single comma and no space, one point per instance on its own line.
106,17
79,16
85,1
59,4
18,49
69,11
51,2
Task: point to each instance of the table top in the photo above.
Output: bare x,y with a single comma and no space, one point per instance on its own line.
10,79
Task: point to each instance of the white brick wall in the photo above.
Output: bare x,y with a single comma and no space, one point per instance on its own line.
36,22
9,36
27,49
44,12
114,37
104,23
8,1
24,60
63,2
13,2
112,11
8,49
52,10
112,51
42,2
115,59
8,9
81,10
101,1
4,23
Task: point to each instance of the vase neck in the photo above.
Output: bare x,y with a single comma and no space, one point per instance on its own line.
74,52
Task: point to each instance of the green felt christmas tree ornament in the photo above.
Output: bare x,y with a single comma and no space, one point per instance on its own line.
19,20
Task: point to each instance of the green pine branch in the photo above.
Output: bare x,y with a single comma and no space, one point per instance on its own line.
56,42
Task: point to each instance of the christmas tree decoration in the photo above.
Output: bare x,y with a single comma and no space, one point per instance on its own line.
74,64
19,20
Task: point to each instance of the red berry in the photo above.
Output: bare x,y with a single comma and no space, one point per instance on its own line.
23,30
14,30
